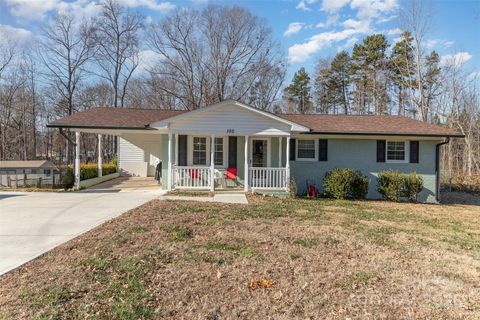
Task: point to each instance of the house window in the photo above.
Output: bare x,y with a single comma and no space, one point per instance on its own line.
199,150
396,151
306,150
218,151
47,172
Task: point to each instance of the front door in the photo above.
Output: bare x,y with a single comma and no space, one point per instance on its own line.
259,153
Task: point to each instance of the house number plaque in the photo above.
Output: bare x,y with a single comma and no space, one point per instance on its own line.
230,130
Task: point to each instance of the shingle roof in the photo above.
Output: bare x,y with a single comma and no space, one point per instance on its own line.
12,164
369,125
123,118
114,118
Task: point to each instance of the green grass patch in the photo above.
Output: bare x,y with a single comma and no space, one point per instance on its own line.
179,233
307,242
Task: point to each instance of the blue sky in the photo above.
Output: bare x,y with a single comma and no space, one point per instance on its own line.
306,29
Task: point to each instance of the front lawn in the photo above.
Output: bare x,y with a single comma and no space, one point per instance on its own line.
275,258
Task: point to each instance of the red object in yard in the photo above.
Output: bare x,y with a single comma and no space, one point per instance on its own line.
312,192
231,173
194,173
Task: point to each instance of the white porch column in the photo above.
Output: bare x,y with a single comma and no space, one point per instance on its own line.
212,163
246,173
170,151
100,158
77,160
176,149
279,152
287,163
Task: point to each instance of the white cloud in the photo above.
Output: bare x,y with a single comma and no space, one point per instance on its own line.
348,44
456,59
434,43
148,59
332,20
150,4
9,33
334,5
394,32
373,8
293,28
31,9
303,5
474,75
303,51
35,10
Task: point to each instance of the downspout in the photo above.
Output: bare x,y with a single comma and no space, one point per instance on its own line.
437,167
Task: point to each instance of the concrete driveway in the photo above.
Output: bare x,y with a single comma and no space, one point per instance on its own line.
34,223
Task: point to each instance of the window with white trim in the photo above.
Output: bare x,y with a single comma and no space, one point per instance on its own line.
306,149
199,151
396,151
218,152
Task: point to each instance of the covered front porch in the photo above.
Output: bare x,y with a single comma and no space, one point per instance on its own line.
225,162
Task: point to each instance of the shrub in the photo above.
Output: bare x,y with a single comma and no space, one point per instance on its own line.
393,185
413,185
389,184
88,171
345,183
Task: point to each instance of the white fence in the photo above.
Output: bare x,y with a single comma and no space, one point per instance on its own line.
267,178
191,177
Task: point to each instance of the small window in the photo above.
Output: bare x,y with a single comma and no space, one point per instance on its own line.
199,150
47,172
218,151
306,149
396,151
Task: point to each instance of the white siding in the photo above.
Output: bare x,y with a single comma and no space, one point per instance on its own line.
139,154
222,120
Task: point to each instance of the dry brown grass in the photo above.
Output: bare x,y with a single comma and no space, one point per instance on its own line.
321,260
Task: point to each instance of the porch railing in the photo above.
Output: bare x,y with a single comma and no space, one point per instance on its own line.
267,178
188,177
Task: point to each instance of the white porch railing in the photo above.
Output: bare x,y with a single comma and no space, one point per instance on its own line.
190,177
267,178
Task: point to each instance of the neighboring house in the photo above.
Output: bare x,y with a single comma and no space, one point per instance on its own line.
28,173
214,147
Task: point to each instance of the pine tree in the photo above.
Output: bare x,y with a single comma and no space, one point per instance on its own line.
431,80
340,74
298,92
402,69
371,64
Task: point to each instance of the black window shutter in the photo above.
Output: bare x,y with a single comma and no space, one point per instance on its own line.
414,154
323,150
182,150
232,152
292,149
381,145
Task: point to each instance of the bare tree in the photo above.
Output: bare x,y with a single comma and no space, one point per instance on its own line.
216,54
117,40
416,18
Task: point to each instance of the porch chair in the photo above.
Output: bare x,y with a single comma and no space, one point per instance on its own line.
312,190
232,174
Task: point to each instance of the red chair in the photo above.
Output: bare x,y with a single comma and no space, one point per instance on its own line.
232,174
194,173
312,190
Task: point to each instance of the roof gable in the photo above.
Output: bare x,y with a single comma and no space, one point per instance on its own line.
222,106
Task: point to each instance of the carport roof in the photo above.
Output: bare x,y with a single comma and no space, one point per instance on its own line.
114,118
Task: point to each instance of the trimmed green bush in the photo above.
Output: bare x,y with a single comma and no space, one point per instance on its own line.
345,183
389,185
88,171
393,185
413,185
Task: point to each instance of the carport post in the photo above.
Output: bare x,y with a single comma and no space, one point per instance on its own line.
212,163
245,166
77,160
170,150
100,159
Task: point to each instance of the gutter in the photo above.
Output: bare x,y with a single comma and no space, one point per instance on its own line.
437,167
